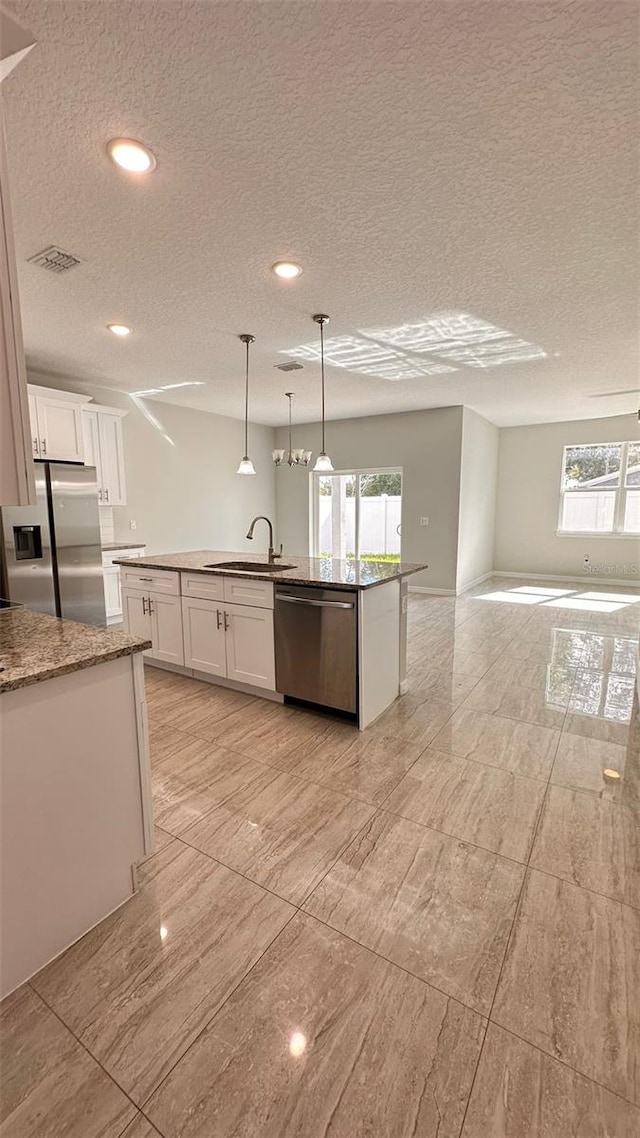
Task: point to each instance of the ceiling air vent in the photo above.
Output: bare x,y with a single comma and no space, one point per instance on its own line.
55,260
290,365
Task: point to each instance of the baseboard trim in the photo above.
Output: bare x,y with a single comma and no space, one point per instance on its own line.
432,592
585,580
472,584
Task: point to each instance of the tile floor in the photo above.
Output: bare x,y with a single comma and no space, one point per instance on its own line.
427,930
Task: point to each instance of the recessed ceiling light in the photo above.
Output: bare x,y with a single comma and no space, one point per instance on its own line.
131,155
120,329
286,270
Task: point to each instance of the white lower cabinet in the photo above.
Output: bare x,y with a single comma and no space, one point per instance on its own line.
111,576
166,628
135,613
250,646
204,636
112,598
232,641
205,633
158,618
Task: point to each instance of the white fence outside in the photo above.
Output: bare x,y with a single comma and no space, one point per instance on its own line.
379,524
593,511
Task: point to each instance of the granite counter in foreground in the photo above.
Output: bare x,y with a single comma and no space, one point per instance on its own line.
35,647
324,572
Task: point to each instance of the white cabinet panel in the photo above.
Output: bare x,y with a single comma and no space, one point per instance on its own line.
104,449
250,646
60,429
33,420
166,628
111,459
111,555
112,596
16,440
243,591
235,642
135,613
202,585
204,636
91,442
151,580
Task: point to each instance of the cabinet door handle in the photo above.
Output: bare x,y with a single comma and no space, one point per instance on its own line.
217,618
151,608
35,446
144,606
106,494
99,495
44,445
226,621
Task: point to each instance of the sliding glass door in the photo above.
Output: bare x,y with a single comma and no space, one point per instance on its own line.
357,514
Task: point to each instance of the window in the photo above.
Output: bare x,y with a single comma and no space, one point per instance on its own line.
600,490
356,515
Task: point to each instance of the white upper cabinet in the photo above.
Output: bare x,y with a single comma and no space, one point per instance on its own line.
33,420
103,447
56,424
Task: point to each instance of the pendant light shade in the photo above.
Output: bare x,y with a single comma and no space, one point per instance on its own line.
323,462
246,466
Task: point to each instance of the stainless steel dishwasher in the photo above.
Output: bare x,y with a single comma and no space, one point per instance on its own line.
317,645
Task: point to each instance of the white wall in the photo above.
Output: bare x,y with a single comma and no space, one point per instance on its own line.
425,445
187,496
477,509
529,471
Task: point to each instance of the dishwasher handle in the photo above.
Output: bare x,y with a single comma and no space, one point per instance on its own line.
316,604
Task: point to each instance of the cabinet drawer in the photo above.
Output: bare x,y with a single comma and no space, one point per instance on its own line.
151,580
243,591
202,586
111,555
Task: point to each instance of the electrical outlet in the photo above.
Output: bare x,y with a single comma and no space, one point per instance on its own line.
424,521
132,523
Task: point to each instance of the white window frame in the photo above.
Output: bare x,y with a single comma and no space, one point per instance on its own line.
620,492
314,513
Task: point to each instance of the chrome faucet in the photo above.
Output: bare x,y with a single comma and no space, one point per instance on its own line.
272,553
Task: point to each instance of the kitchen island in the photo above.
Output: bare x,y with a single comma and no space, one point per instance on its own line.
315,630
75,804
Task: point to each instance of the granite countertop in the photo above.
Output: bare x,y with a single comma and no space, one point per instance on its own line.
320,571
114,545
35,647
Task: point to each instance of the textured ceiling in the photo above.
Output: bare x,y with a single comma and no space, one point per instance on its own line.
472,159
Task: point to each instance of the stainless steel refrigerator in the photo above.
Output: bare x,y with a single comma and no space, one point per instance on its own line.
52,554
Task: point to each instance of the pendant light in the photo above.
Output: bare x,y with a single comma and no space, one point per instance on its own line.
246,466
296,457
323,462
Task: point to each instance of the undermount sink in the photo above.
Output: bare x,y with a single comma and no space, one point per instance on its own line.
251,566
